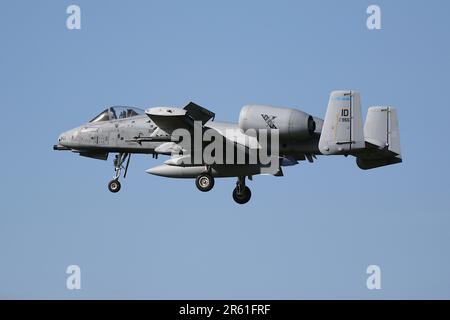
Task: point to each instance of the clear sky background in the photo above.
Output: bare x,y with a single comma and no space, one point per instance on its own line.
310,234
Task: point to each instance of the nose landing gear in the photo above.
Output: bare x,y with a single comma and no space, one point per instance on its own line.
114,185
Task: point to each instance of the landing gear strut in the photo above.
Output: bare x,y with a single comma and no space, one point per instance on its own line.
114,184
242,193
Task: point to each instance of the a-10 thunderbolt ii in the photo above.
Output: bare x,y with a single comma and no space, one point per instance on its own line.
287,135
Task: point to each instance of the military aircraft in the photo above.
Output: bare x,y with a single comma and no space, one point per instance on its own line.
297,136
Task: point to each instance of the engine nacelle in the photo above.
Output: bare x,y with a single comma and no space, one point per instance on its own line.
291,123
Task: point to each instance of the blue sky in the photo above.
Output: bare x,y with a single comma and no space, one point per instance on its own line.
310,234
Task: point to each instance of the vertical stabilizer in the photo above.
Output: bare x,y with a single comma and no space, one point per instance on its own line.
381,128
342,130
382,136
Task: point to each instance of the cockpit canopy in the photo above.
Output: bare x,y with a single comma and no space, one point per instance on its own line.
117,112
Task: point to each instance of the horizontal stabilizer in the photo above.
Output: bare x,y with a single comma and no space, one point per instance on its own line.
367,163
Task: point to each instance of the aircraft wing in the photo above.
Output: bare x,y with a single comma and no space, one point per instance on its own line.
169,119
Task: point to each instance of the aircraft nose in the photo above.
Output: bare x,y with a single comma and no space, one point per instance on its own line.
63,141
62,138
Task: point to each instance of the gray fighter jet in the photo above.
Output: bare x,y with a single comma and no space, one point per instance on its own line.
286,135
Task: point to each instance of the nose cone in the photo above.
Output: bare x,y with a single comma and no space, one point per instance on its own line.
65,140
61,138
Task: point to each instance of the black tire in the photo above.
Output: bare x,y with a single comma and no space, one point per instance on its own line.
114,186
204,182
244,197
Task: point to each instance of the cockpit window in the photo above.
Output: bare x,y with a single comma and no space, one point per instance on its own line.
118,112
103,116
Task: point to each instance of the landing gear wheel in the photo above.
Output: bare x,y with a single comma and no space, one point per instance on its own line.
114,186
204,182
244,197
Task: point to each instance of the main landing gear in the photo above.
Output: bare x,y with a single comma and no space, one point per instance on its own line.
204,182
241,194
114,184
